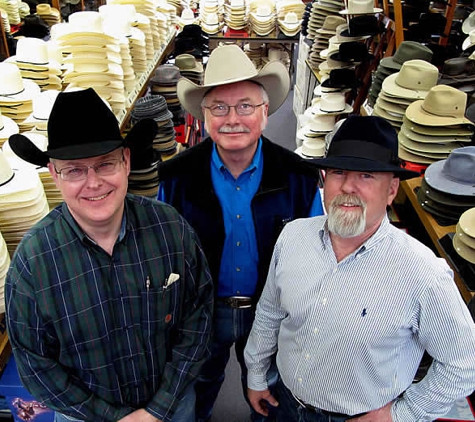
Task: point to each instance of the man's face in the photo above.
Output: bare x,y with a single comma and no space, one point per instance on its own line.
356,201
97,200
234,132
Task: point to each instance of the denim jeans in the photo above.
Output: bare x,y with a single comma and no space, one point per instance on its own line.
290,410
230,326
185,411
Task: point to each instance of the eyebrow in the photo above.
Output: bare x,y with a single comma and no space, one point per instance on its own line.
239,101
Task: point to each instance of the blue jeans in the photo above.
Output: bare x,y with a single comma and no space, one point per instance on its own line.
185,411
230,326
290,410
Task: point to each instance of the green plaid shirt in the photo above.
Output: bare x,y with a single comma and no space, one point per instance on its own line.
97,336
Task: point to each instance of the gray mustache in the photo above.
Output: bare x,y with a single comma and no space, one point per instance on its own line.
234,129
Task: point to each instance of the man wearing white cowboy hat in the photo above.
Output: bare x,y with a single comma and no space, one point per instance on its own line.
237,189
109,297
351,302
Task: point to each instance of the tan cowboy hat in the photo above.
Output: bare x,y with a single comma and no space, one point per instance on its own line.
229,64
464,237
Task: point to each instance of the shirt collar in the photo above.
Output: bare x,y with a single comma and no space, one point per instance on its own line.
218,163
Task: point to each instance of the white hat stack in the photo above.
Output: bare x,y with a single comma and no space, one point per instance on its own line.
8,127
262,17
22,202
235,14
12,9
312,134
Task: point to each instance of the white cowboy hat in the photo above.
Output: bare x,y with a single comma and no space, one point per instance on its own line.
229,64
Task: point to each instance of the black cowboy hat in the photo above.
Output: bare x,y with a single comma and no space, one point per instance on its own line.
80,125
365,143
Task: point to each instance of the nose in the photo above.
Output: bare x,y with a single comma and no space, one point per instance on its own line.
93,180
232,116
349,183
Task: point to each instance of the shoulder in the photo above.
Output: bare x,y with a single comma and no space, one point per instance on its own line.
187,161
303,228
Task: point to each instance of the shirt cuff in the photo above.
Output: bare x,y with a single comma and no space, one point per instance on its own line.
257,382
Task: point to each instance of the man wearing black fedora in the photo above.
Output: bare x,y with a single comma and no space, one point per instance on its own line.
109,297
237,189
351,302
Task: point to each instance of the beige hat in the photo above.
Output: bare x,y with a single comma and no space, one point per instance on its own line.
188,63
467,222
330,24
32,53
435,138
8,127
361,7
465,251
413,81
443,106
332,103
229,64
464,237
455,130
12,87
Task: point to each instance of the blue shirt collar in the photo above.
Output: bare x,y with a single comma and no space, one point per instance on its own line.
218,163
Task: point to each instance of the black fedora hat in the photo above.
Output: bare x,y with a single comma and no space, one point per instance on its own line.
81,125
365,143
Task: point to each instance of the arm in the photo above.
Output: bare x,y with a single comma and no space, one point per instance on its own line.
191,347
36,350
447,331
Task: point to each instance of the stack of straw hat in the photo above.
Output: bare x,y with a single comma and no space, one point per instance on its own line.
441,116
402,88
190,68
37,121
11,8
49,14
16,94
211,16
8,127
235,15
32,58
255,50
407,50
22,202
164,83
322,37
290,24
262,18
313,133
320,10
464,239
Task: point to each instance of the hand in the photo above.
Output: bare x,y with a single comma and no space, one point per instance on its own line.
140,415
383,414
260,399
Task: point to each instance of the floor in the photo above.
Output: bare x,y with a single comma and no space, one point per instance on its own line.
230,405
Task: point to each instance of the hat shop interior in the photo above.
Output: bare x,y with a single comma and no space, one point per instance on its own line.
409,62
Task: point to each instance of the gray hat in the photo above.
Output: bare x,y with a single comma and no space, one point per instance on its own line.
407,50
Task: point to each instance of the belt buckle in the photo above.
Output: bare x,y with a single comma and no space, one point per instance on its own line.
237,302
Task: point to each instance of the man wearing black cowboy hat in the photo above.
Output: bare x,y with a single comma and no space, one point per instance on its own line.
109,297
351,302
237,189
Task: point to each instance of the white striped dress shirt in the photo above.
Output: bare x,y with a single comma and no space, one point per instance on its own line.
350,334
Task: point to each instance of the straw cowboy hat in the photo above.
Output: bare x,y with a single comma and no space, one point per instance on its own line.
365,143
69,138
229,64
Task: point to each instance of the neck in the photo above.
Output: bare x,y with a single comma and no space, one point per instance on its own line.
237,161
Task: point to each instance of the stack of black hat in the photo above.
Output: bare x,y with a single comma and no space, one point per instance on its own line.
305,19
192,40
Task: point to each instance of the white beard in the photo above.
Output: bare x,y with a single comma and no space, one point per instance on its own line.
347,223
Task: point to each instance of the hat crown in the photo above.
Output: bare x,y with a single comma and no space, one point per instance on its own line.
322,123
447,101
360,6
331,22
228,64
11,81
263,10
291,17
332,102
460,165
43,104
32,50
6,172
66,124
409,50
185,61
417,75
187,14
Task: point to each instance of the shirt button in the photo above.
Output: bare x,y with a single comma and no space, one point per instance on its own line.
335,270
238,216
307,356
238,243
299,380
315,330
238,188
324,301
238,269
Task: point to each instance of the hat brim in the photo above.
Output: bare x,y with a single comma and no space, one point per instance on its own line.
352,163
273,77
415,113
434,178
350,12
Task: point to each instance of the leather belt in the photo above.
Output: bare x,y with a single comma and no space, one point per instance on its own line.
237,302
326,412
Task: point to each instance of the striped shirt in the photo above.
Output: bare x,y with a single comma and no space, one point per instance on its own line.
350,334
97,336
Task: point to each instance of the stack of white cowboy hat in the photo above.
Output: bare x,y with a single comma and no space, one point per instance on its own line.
4,265
235,14
53,194
361,7
22,202
187,18
285,6
276,53
441,115
312,134
163,20
256,52
23,9
16,94
190,68
178,5
33,60
5,21
37,121
262,18
143,23
144,7
211,16
170,11
11,7
319,12
329,103
447,188
290,24
402,88
464,239
322,38
49,14
116,21
8,127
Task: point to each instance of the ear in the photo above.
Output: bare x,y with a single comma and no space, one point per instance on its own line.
127,160
53,173
393,189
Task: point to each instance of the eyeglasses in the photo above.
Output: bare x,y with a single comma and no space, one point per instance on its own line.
76,173
243,109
